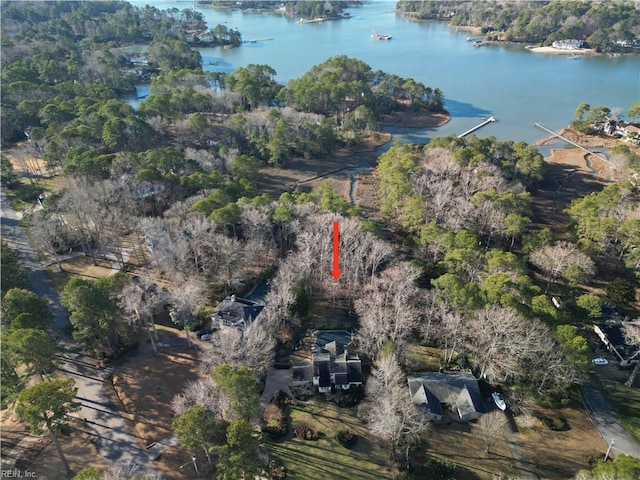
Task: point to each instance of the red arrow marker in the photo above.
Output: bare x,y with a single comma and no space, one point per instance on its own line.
335,271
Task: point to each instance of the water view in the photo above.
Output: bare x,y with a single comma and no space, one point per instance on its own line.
516,86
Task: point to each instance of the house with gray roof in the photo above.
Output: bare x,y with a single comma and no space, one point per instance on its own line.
612,335
334,365
235,312
458,391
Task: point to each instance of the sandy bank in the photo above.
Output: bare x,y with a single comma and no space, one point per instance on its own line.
558,51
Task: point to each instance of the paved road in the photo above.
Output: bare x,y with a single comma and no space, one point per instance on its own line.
111,431
17,239
607,423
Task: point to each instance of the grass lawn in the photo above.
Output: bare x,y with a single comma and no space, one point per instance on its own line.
325,458
625,402
79,266
146,386
25,194
325,315
420,358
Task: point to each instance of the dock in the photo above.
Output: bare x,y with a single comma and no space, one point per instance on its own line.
256,40
471,130
571,142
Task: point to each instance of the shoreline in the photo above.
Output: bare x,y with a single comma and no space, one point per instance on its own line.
559,51
309,172
416,119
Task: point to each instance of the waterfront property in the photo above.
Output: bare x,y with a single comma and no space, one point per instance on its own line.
568,44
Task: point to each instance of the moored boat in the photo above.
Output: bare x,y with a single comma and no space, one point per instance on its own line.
380,36
499,401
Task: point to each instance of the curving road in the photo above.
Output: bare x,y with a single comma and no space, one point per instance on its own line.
16,237
110,430
607,423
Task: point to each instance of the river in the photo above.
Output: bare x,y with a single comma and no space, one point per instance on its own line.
509,82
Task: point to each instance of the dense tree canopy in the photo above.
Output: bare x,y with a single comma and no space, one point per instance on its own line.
94,313
13,275
601,24
342,84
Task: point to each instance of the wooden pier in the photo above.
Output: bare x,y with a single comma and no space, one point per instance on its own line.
256,40
488,120
571,142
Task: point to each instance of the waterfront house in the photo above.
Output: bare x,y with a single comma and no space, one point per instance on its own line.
568,44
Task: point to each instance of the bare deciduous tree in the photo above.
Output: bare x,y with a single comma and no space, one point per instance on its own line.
503,346
51,235
492,337
200,392
562,259
185,299
392,415
388,308
631,333
494,426
252,347
140,299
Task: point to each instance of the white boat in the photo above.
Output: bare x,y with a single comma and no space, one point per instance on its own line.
499,401
380,36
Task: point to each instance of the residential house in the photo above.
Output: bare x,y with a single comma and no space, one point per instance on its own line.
334,365
616,127
234,312
457,391
612,336
568,44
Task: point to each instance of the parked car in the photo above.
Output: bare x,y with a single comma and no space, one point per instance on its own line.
206,337
600,361
200,333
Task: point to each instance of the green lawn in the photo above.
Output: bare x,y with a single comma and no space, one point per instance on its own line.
325,458
25,194
625,402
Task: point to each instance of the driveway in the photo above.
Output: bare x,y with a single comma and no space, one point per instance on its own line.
277,379
607,423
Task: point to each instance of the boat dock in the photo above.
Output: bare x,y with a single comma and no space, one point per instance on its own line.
571,142
488,120
256,40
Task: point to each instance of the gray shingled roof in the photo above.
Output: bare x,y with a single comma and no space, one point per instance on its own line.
234,311
455,388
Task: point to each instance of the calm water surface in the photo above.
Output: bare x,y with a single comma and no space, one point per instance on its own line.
509,82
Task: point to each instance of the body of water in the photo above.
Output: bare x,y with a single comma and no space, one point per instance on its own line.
509,82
